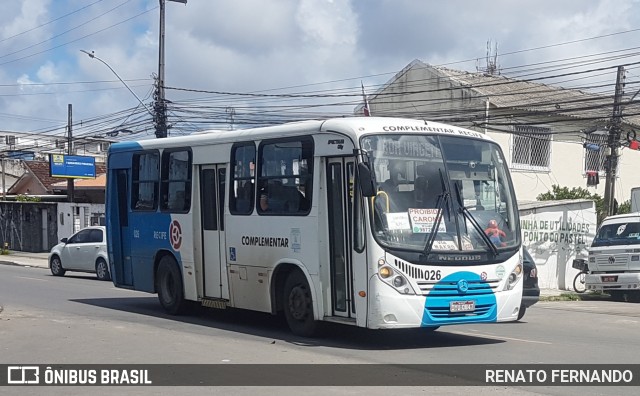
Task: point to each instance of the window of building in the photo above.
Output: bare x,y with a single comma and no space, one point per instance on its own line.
175,185
594,156
285,176
146,173
531,148
242,190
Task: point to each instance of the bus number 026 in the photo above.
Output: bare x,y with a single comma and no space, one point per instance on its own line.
432,275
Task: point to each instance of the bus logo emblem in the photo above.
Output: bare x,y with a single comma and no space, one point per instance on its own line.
463,286
175,234
612,260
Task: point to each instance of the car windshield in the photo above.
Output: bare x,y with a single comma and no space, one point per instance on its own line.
441,193
617,234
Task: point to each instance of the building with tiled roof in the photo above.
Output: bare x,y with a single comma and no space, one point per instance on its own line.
37,180
548,133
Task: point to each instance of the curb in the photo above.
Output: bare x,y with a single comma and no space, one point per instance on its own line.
11,263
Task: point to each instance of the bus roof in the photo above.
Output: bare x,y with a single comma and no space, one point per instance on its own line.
352,127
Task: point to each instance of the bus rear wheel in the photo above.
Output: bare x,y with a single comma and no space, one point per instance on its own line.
298,305
169,286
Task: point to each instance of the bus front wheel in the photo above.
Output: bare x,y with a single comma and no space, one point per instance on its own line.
298,305
169,286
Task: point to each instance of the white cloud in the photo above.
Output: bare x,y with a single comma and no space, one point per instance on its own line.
252,45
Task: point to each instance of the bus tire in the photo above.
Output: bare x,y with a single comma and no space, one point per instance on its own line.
169,286
298,305
521,312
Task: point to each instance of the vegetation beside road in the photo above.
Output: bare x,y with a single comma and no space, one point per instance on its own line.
571,296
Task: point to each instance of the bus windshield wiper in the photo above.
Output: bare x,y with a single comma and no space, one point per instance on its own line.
468,216
442,200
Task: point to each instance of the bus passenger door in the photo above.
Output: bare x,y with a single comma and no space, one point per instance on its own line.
339,200
122,245
214,267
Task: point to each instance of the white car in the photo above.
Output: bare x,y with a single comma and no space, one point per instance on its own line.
84,251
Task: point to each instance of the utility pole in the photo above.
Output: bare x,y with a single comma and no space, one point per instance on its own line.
160,105
70,152
613,143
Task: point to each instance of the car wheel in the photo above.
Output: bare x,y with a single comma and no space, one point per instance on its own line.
522,311
169,286
298,305
56,266
102,270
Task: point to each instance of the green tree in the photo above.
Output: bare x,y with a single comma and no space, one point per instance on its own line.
558,193
624,207
27,198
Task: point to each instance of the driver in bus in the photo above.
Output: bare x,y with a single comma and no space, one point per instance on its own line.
396,170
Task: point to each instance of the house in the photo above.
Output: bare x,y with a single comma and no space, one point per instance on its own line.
84,190
37,180
38,226
549,135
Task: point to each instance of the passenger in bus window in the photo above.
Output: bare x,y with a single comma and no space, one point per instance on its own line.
264,200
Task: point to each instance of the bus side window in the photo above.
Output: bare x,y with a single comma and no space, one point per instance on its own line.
146,172
176,180
242,192
286,167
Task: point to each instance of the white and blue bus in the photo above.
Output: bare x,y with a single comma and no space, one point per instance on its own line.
373,222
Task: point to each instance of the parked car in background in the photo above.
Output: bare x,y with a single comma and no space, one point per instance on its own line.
84,251
530,291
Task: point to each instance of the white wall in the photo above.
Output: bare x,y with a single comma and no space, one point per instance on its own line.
554,234
73,217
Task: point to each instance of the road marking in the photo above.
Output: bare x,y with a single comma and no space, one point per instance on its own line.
498,337
26,277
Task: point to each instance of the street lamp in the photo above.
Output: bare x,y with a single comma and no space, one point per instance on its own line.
93,56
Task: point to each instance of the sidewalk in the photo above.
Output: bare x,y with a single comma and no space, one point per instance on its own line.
25,259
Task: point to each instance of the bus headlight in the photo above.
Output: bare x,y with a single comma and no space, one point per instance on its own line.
513,278
394,278
385,272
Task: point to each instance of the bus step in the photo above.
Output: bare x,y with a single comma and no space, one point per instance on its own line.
214,303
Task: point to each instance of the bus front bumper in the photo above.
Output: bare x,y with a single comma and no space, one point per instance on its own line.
389,309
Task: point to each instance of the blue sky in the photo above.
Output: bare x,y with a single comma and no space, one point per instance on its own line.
277,46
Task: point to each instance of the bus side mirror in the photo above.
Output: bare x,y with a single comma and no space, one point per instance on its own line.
367,186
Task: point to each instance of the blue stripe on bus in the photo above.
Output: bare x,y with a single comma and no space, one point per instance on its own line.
124,146
437,306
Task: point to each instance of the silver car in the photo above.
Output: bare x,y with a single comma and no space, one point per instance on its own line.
84,251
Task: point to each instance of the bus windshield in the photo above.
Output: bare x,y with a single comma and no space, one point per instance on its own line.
441,193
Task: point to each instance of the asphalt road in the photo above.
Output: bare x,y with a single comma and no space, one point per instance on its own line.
80,320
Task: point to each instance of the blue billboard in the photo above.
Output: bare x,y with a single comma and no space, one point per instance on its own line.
72,166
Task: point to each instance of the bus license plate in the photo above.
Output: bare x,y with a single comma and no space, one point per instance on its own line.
462,306
612,278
